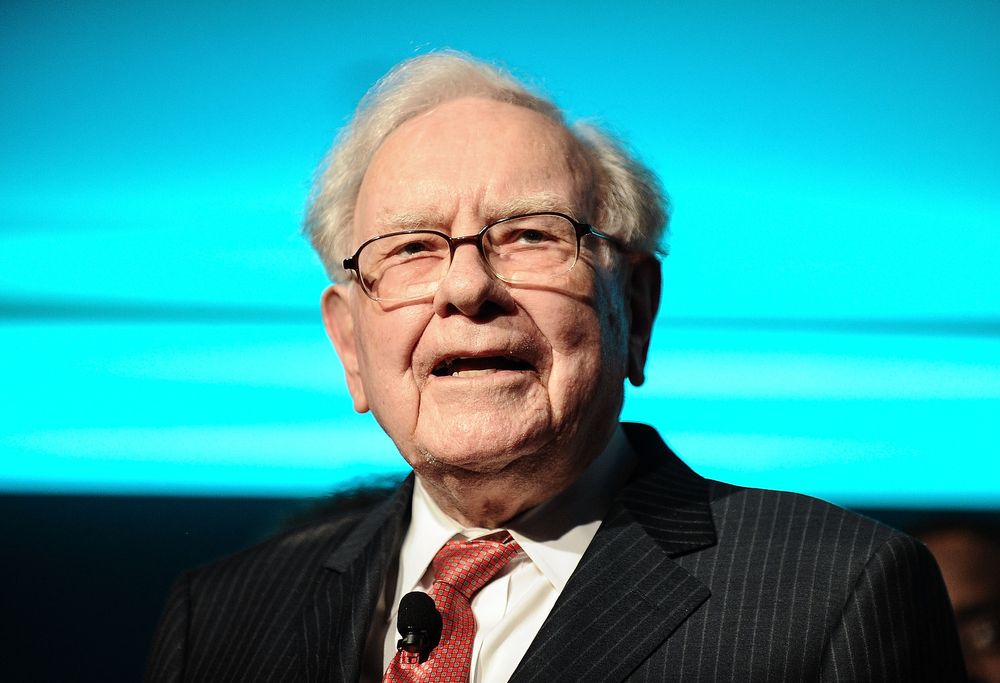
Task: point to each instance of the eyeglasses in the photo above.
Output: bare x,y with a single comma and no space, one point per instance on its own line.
411,264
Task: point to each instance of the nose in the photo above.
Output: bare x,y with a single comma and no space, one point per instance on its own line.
470,289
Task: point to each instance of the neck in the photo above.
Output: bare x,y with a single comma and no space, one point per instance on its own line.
475,502
489,500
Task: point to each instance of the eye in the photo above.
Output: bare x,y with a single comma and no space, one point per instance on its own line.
412,247
523,236
531,236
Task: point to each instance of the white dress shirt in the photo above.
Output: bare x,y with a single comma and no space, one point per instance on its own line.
509,610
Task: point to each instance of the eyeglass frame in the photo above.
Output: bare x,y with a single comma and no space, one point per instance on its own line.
582,229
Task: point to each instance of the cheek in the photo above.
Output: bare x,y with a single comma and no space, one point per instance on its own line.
614,332
386,342
614,321
587,355
600,321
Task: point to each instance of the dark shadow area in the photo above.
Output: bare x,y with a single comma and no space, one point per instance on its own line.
87,575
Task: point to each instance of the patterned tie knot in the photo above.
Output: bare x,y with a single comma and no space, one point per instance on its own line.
461,568
470,565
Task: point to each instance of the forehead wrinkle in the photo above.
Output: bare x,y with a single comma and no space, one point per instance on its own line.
533,203
491,201
411,220
392,221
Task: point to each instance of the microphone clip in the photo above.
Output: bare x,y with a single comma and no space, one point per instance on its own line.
416,645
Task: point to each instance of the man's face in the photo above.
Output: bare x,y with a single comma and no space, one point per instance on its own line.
483,373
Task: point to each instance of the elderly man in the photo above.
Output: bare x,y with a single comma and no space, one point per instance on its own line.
496,283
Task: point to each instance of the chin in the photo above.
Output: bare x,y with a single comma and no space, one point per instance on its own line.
485,431
482,450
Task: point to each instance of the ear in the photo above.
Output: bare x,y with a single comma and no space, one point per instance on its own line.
644,301
339,324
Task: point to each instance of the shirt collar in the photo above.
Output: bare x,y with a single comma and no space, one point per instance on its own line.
554,535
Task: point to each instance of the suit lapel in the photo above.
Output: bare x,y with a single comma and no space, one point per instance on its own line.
336,617
628,595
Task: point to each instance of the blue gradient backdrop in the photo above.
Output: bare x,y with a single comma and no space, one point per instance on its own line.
831,318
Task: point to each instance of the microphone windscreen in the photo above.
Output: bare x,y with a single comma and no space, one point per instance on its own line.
417,612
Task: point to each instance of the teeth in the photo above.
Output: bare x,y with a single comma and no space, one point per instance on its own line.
481,365
471,373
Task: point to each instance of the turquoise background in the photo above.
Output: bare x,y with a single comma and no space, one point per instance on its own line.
831,312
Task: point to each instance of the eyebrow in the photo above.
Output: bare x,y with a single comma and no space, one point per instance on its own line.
411,220
534,203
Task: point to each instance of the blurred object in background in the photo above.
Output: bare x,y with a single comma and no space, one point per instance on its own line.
969,556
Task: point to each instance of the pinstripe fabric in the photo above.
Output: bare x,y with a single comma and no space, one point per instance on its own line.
686,580
296,608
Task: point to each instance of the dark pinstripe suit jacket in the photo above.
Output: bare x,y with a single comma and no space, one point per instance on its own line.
687,579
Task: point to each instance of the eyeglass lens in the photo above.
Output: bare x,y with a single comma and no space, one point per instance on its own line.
524,249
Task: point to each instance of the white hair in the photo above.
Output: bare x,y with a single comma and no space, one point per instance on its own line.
628,201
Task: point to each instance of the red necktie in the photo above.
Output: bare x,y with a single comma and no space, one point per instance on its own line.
461,568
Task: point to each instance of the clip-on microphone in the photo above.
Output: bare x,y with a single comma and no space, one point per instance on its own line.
419,624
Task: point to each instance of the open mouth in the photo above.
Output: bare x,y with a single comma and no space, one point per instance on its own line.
480,365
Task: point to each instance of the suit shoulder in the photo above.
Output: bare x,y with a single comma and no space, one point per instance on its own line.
793,519
229,615
815,575
299,547
309,536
